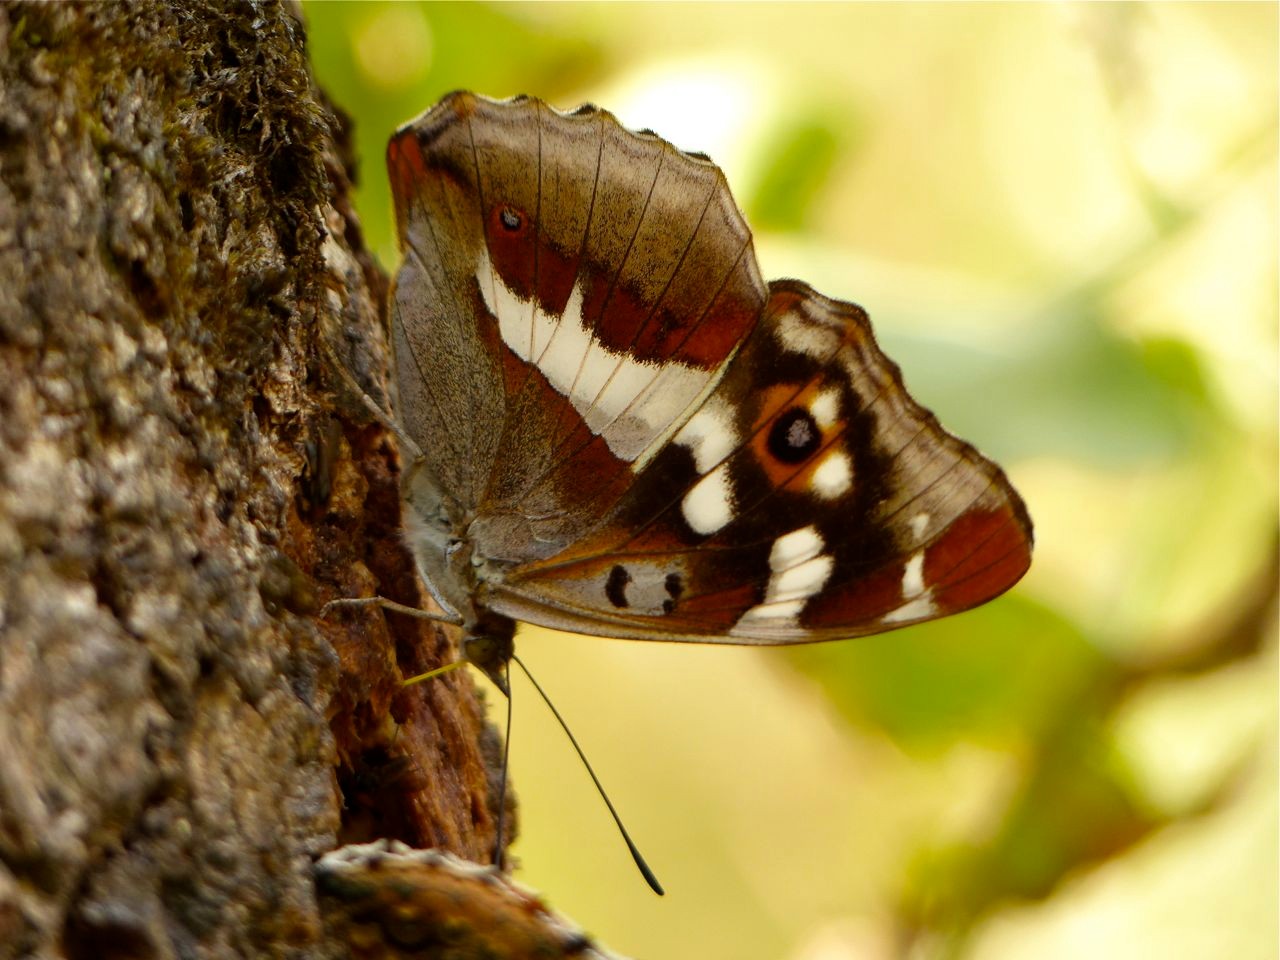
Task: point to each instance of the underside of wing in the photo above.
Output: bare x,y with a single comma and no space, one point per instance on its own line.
571,292
808,498
635,436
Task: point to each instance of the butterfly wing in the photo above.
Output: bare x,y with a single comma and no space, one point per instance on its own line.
570,293
639,439
809,498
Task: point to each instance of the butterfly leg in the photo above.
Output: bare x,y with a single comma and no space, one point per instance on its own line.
385,604
489,645
432,674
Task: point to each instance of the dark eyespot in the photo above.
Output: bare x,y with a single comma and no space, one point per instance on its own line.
511,219
794,436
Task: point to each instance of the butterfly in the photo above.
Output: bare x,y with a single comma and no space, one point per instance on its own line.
624,431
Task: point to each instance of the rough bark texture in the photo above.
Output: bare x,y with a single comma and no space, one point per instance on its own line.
182,483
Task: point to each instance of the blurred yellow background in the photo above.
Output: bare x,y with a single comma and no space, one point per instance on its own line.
1063,221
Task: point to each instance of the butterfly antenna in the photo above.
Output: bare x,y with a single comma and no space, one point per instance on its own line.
502,782
643,867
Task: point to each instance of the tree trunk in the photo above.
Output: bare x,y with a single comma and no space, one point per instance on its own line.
183,482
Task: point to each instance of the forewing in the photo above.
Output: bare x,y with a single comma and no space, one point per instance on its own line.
571,292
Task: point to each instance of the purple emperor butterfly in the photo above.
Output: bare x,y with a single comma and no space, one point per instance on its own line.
626,432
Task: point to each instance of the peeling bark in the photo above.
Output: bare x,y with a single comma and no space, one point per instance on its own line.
182,484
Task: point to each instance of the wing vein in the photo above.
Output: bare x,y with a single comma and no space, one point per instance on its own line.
592,338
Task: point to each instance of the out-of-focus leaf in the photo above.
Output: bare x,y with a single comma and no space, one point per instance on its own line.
1067,387
997,673
795,172
1076,807
1177,364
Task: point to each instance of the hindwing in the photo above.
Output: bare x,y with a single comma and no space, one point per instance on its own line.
808,498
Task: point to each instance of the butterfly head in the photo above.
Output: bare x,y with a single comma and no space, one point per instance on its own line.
489,645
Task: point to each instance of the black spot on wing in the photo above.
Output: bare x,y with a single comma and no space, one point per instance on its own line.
615,588
794,436
675,587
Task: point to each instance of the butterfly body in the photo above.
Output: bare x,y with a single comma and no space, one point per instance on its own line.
628,433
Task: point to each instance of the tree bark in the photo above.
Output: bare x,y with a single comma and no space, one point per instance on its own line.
183,482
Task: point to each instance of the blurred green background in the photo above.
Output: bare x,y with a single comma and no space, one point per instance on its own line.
1063,220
